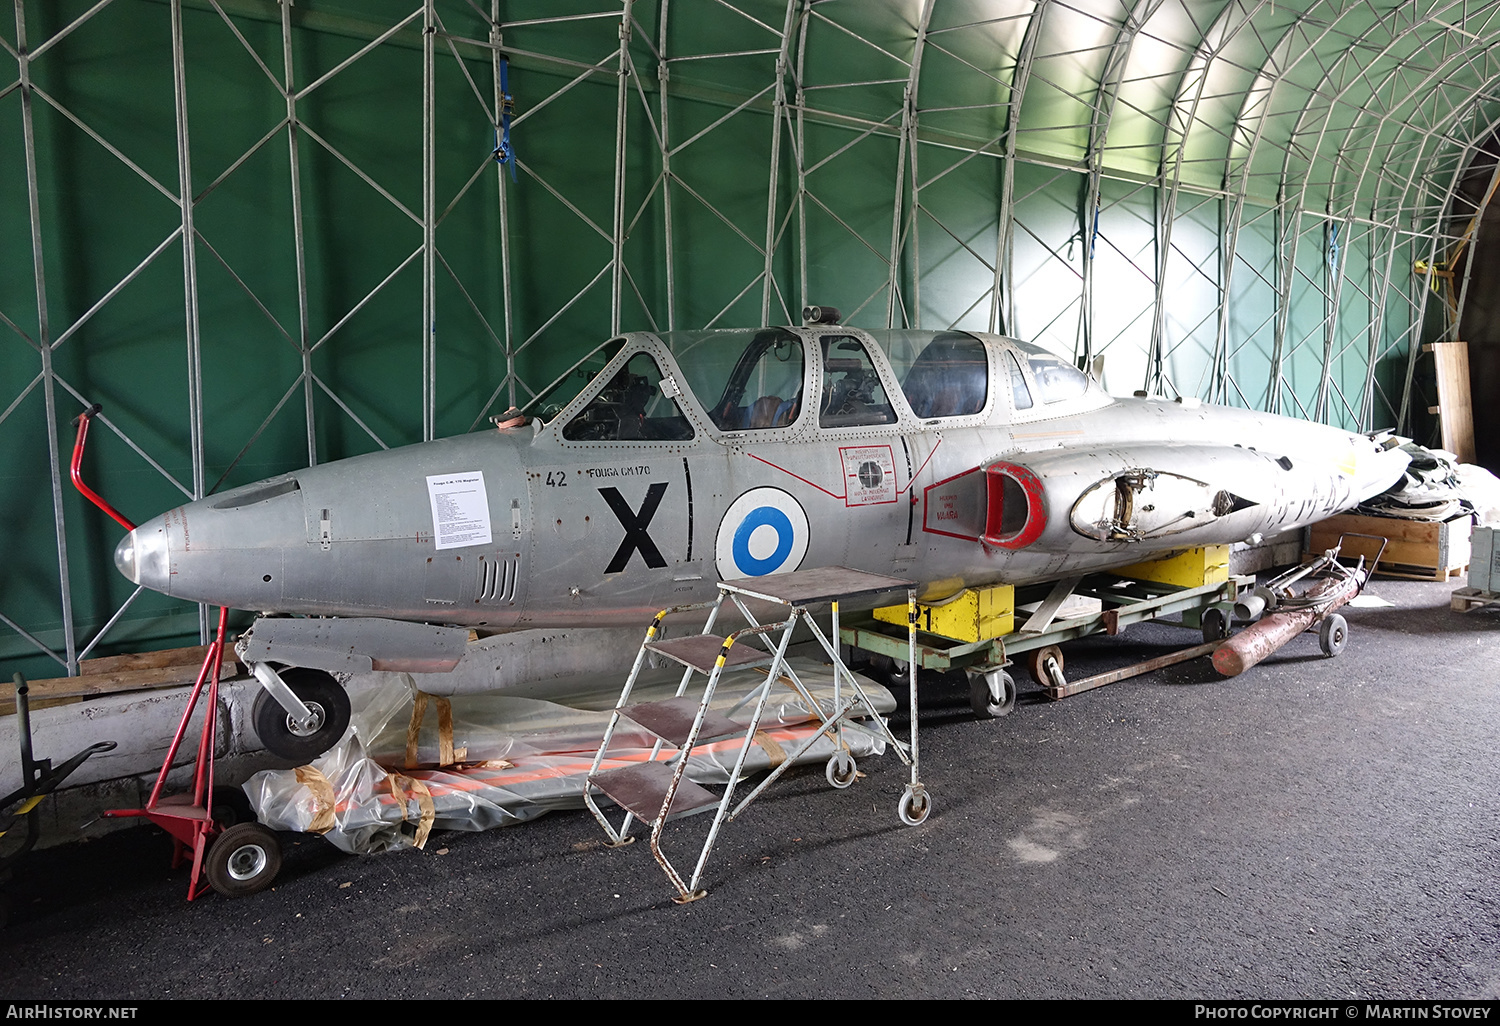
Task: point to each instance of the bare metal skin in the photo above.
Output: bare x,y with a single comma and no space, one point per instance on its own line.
636,494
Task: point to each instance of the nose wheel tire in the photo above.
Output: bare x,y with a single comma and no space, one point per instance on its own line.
841,770
243,860
323,696
991,694
916,803
1333,634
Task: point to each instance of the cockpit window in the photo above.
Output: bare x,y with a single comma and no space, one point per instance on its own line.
632,407
943,376
552,400
853,395
1020,394
1056,380
748,381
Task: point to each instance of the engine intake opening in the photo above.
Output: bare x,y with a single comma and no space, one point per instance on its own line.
1015,511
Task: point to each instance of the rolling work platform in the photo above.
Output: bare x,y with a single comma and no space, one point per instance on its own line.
657,790
975,631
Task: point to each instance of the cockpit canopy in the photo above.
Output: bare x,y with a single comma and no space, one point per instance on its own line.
759,380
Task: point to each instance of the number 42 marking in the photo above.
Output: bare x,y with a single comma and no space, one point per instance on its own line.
557,478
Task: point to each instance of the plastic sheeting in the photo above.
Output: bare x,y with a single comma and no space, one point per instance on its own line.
414,763
1433,488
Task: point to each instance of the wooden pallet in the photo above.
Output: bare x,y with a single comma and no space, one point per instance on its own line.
1420,573
1465,599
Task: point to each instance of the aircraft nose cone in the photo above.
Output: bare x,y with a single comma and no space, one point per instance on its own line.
142,555
125,557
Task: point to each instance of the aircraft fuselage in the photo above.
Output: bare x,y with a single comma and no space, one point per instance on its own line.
950,458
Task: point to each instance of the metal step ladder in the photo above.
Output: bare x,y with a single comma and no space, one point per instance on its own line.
658,789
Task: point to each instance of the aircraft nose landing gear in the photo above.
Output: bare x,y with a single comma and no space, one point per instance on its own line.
286,732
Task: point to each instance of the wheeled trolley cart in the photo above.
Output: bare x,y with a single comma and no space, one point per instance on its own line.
39,778
656,790
1122,601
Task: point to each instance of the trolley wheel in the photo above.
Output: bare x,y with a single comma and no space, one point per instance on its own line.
916,803
231,806
1036,663
322,694
1333,634
1215,624
841,770
243,860
991,693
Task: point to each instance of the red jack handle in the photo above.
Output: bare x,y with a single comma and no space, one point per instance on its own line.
82,420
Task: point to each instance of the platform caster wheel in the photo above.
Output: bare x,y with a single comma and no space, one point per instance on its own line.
841,770
1333,634
323,695
916,803
1215,624
1036,664
231,806
991,693
243,860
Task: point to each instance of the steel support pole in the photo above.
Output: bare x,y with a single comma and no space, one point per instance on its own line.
1003,300
429,228
617,232
778,112
663,76
189,276
1473,242
1102,111
44,341
804,299
299,249
501,196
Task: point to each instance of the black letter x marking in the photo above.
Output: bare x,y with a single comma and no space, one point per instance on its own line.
635,525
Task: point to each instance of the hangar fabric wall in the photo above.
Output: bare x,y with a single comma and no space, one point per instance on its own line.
264,235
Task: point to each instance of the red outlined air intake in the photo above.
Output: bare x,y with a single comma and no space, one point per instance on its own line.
1015,511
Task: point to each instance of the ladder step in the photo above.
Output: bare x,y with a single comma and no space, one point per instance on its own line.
641,789
701,651
672,721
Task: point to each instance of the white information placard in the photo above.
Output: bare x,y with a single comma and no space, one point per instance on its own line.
460,509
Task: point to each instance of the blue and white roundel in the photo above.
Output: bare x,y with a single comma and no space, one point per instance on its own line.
764,532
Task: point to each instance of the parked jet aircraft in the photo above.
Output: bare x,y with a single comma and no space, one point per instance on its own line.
664,462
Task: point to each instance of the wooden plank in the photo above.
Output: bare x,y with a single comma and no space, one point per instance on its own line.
65,690
148,660
1455,404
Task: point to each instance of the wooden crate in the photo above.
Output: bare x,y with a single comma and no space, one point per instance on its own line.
1420,550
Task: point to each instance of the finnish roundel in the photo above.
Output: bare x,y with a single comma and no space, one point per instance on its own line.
764,532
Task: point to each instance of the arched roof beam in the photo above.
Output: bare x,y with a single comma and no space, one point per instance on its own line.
1005,241
1437,74
1324,114
906,166
1102,112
